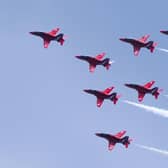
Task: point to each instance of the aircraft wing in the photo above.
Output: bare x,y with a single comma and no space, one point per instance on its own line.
111,145
149,84
120,134
46,43
136,50
54,31
108,90
144,38
99,102
140,96
100,56
92,67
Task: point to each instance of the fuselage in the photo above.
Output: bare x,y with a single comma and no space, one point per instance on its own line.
100,94
114,139
90,60
140,88
134,42
97,93
47,36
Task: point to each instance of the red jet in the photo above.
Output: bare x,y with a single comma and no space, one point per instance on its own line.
50,36
113,139
101,95
146,89
164,32
97,60
140,43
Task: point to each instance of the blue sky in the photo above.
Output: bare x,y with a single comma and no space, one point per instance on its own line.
46,119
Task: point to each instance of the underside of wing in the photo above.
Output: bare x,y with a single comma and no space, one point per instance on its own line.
144,38
54,31
140,96
108,90
120,134
149,84
92,67
111,145
100,56
46,43
136,50
99,102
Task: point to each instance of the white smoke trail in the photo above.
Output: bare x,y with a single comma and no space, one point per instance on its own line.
163,152
162,49
154,110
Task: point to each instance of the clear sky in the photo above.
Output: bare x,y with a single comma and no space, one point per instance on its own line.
46,120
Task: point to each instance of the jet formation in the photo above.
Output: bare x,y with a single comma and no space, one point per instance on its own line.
99,59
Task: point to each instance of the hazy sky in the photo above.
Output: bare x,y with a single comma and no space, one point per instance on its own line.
46,119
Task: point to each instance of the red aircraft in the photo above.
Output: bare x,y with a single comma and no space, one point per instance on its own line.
113,139
101,95
97,60
50,36
164,32
146,89
139,43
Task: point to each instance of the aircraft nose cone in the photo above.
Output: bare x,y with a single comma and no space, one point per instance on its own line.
97,134
122,39
86,90
127,85
32,32
77,56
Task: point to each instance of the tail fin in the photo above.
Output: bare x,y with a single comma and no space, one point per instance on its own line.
156,92
126,141
127,144
61,41
151,46
114,97
60,38
107,63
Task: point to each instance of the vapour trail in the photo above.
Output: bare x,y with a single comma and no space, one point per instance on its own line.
154,110
162,49
163,152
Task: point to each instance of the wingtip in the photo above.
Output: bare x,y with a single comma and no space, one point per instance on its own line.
99,105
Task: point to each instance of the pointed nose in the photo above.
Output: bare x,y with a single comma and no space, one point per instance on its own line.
126,84
97,134
122,39
77,56
86,90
